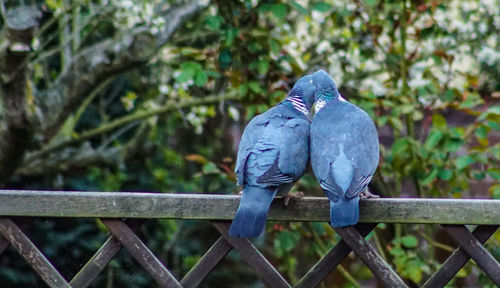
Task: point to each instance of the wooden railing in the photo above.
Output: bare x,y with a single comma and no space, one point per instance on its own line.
112,207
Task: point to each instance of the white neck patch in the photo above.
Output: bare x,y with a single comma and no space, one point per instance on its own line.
319,104
298,104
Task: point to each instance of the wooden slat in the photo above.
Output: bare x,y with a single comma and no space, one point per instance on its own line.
206,264
101,259
457,260
141,253
97,263
476,250
31,254
223,207
370,257
4,243
22,223
254,258
331,260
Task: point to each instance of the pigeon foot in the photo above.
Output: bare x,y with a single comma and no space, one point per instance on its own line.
366,194
289,196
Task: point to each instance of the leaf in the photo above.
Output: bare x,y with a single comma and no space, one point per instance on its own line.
254,86
430,177
445,174
279,10
434,137
494,110
397,252
321,6
478,175
262,67
396,123
438,120
185,76
191,66
409,241
200,78
481,132
214,22
463,161
299,8
209,168
400,146
371,2
243,90
415,273
494,173
196,158
230,35
225,58
495,191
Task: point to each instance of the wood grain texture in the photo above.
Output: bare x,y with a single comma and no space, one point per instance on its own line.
141,253
476,250
383,271
32,254
223,207
457,260
262,267
331,260
206,264
101,258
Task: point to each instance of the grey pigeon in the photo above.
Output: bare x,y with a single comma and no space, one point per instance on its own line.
344,150
273,153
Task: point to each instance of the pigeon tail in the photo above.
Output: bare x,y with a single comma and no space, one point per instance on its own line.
341,170
250,219
344,212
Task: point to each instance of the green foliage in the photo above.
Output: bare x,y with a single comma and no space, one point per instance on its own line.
425,71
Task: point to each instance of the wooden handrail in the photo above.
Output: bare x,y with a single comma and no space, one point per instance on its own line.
223,207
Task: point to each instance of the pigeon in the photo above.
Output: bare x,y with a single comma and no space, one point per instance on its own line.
273,153
344,150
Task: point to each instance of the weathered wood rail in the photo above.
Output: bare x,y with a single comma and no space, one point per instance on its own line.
112,207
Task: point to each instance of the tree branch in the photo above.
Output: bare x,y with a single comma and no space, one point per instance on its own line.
101,61
15,130
139,115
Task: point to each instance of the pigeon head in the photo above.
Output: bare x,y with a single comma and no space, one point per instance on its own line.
326,90
302,94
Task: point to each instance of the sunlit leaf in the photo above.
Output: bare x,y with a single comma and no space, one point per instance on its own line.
430,177
438,120
200,78
433,139
494,173
321,6
299,8
254,86
279,10
262,67
409,241
415,273
463,161
445,174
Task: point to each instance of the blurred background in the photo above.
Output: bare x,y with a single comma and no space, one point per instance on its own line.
163,99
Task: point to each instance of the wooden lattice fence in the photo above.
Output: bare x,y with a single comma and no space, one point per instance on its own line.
113,207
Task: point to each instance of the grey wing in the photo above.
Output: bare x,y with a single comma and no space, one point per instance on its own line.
292,158
249,139
294,147
357,186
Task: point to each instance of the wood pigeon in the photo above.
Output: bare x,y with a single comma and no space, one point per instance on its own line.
273,153
344,150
